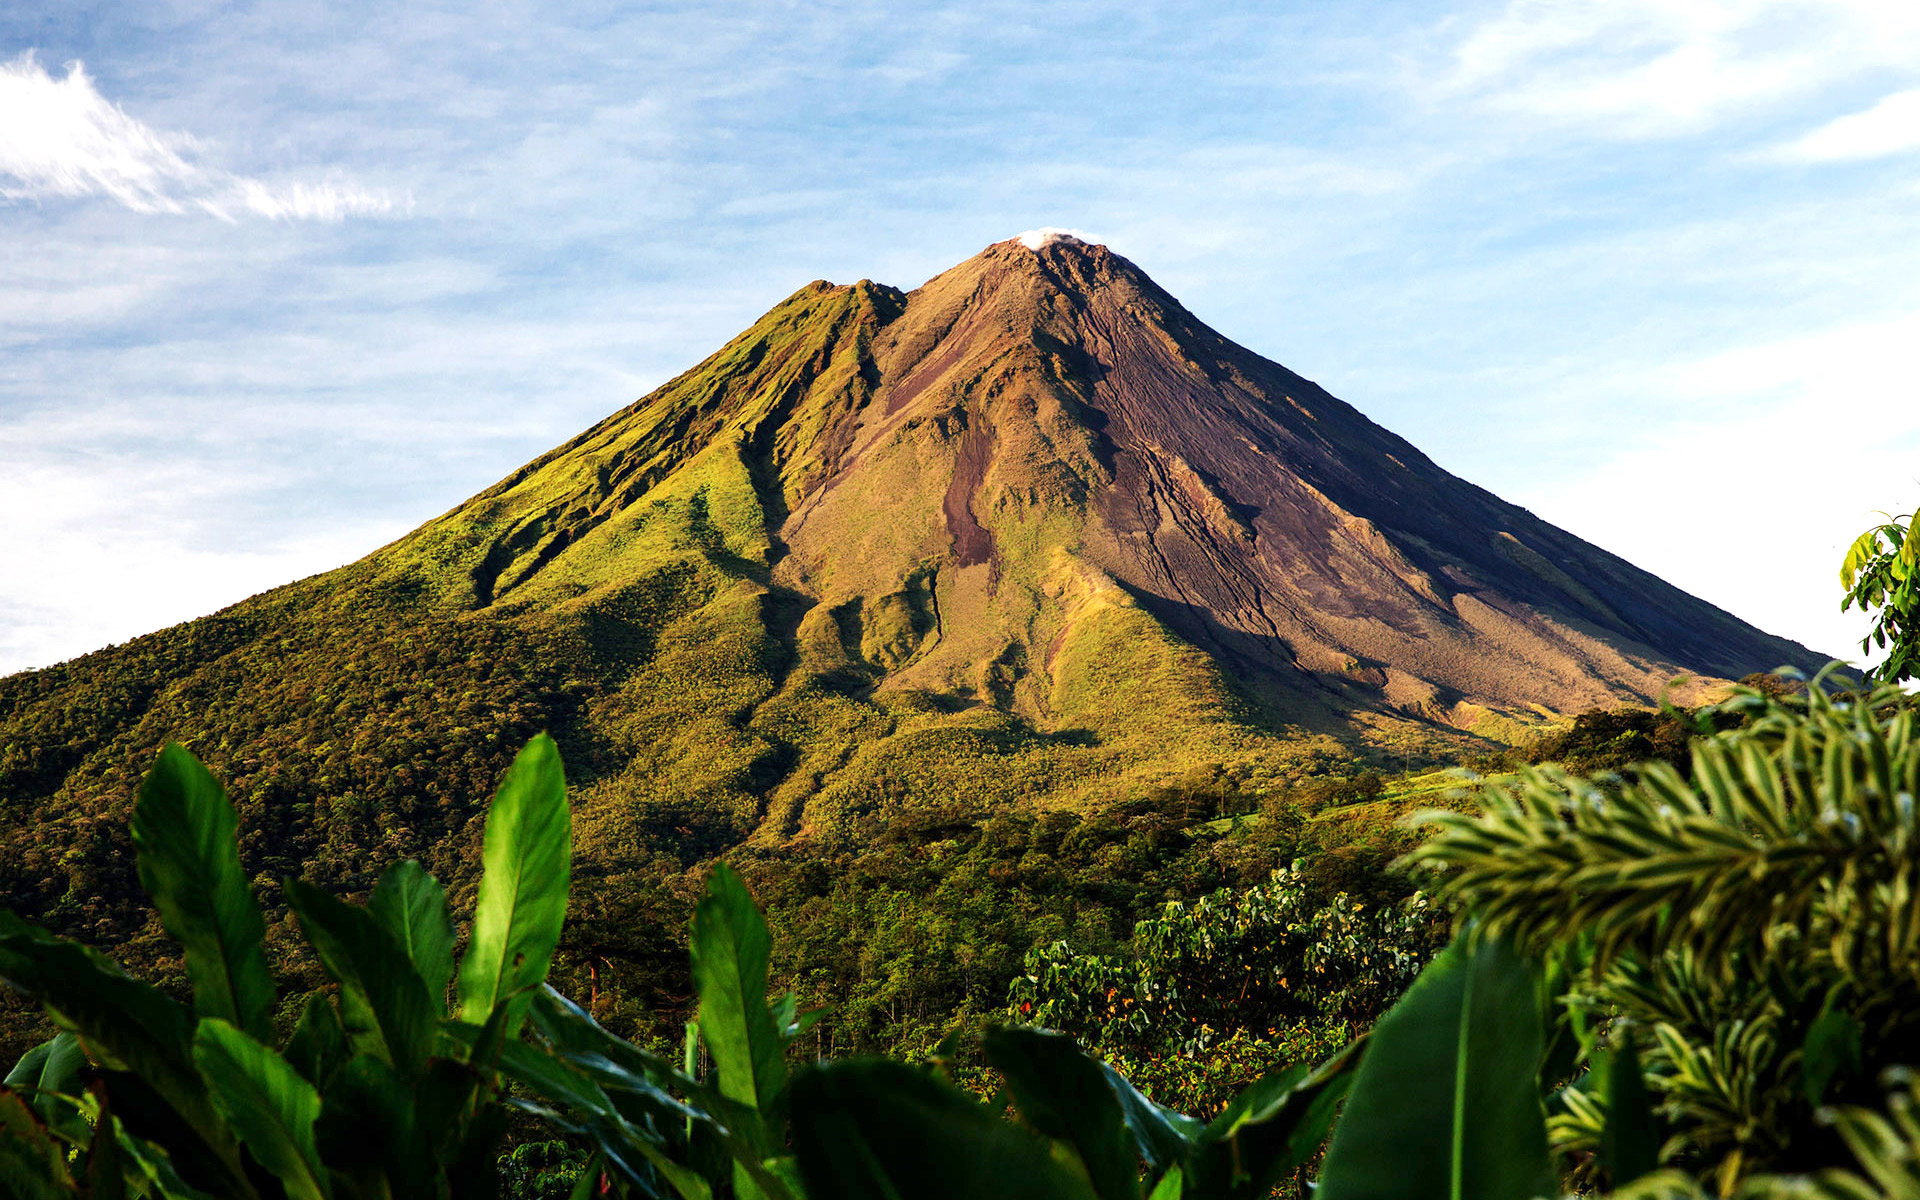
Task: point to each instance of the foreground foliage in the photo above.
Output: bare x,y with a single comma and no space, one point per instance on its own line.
380,1090
1751,938
1664,987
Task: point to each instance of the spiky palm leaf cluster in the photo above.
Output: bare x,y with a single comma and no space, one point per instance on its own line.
1752,930
1887,1146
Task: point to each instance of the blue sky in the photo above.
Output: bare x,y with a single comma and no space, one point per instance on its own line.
279,282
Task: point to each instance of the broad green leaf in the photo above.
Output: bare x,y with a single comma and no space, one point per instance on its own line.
1273,1127
1630,1141
126,1025
266,1103
48,1076
1172,1186
52,1066
184,832
1164,1138
413,907
869,1129
523,893
1446,1103
383,1001
318,1046
1063,1094
729,950
367,1131
33,1164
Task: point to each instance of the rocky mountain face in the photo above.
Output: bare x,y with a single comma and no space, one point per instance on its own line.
947,488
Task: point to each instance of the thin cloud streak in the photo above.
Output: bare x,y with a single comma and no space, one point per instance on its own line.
62,138
1649,69
1889,127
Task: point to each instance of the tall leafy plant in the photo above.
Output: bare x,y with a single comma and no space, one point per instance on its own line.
377,1092
657,1128
874,1128
1881,573
1447,1105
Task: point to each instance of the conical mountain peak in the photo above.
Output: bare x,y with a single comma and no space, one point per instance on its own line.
1043,422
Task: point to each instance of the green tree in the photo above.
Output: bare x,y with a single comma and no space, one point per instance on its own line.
1210,995
1882,575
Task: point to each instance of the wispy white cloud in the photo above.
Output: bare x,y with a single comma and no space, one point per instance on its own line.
1889,127
59,137
1657,68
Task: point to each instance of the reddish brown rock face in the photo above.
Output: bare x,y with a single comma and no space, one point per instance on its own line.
1308,549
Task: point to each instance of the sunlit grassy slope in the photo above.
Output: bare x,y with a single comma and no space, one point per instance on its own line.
626,591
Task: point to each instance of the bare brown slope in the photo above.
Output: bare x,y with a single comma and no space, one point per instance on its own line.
1312,551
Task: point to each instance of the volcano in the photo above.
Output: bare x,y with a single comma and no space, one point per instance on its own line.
1030,532
944,488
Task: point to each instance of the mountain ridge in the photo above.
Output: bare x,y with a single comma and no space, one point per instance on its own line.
1028,535
1069,337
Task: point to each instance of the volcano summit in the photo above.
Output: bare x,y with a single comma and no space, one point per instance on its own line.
1031,530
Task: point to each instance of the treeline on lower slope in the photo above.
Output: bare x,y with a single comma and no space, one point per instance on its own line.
355,741
356,728
1660,989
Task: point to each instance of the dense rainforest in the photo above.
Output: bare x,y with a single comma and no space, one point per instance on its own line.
1660,984
942,900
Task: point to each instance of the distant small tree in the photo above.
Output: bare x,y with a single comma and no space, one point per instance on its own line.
1882,572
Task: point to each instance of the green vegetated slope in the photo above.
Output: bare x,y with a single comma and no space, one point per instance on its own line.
894,590
619,592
